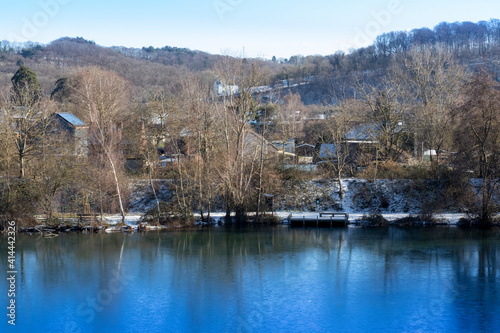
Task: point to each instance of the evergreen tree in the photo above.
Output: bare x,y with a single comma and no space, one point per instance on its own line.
26,89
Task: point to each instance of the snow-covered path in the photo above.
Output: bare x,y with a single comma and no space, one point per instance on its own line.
132,219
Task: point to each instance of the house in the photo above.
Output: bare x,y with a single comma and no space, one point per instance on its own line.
222,89
75,130
180,150
362,133
60,126
304,153
286,146
254,141
327,152
169,154
165,160
358,144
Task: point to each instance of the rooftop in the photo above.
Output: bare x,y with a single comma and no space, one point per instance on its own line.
71,118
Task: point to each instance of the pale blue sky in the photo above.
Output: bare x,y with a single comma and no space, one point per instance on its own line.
262,28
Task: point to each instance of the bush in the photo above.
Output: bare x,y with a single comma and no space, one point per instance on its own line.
417,171
417,220
292,176
475,217
374,219
384,170
169,216
270,219
20,206
22,222
366,196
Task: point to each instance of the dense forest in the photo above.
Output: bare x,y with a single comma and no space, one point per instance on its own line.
81,123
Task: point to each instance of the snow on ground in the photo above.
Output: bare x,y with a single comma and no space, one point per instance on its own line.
130,219
359,195
448,218
133,219
143,199
394,199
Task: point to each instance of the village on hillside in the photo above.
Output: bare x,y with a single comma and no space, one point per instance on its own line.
241,137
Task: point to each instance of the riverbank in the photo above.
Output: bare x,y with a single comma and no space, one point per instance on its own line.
357,196
368,203
112,223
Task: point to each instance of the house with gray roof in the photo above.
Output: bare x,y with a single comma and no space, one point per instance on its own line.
75,130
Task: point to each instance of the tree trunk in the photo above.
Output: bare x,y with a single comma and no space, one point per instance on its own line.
21,166
341,190
240,213
156,197
117,183
261,167
228,206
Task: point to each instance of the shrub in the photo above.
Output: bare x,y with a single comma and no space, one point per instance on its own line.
269,219
169,216
417,220
20,206
384,170
291,176
367,196
374,219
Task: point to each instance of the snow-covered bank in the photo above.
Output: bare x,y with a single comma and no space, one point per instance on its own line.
451,218
394,199
132,220
359,196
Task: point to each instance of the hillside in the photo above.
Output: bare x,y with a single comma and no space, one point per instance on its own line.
475,45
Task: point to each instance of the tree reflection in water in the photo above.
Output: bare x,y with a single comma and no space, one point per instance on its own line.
254,279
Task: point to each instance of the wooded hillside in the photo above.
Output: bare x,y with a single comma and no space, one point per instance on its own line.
80,121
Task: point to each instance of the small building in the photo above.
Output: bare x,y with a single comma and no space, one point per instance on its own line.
75,129
304,153
362,134
221,89
254,141
327,152
287,146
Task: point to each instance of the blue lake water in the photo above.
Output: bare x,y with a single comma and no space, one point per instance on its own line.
257,280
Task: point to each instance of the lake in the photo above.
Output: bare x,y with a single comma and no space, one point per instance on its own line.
276,279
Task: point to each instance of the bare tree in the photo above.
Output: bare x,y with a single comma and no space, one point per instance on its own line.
235,111
52,176
478,140
27,125
188,136
265,121
432,80
195,101
8,153
290,118
339,126
169,129
103,97
387,116
149,133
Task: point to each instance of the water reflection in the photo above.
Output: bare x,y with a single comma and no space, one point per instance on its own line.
264,279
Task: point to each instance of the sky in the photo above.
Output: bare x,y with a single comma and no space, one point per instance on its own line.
248,28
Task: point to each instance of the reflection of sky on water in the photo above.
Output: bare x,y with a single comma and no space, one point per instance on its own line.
260,280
